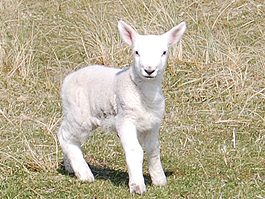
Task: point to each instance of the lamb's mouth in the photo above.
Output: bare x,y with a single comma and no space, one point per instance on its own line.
149,77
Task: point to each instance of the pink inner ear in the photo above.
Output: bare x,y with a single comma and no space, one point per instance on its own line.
175,34
172,39
129,34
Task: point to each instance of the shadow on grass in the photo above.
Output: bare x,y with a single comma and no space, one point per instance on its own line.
117,177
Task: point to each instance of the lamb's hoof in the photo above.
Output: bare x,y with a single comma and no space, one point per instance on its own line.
85,177
160,182
138,189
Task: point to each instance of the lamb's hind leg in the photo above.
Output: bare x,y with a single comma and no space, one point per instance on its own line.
73,157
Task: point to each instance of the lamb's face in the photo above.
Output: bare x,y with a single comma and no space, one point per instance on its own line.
150,55
150,51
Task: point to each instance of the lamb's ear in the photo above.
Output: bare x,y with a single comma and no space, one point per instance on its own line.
127,33
174,35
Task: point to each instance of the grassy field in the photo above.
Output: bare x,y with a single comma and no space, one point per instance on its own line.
214,85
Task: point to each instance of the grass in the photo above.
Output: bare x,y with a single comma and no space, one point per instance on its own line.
214,85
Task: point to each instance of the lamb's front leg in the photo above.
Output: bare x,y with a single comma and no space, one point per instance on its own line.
152,147
134,156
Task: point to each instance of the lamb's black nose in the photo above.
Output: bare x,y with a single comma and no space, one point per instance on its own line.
149,72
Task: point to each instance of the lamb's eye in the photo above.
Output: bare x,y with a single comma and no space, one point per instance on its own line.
164,53
137,53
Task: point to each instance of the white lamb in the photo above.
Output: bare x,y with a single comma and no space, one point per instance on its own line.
128,100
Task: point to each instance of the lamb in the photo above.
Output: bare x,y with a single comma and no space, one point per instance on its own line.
129,101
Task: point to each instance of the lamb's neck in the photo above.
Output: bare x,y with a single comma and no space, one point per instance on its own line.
150,89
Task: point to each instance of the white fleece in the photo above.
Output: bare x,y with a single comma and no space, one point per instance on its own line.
129,101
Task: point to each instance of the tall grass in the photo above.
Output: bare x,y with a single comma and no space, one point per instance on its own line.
212,138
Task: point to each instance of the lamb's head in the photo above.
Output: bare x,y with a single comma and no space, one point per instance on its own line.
150,51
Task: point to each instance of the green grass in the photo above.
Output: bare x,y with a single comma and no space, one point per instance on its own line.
214,85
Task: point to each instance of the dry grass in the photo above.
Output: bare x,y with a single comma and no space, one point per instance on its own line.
214,134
